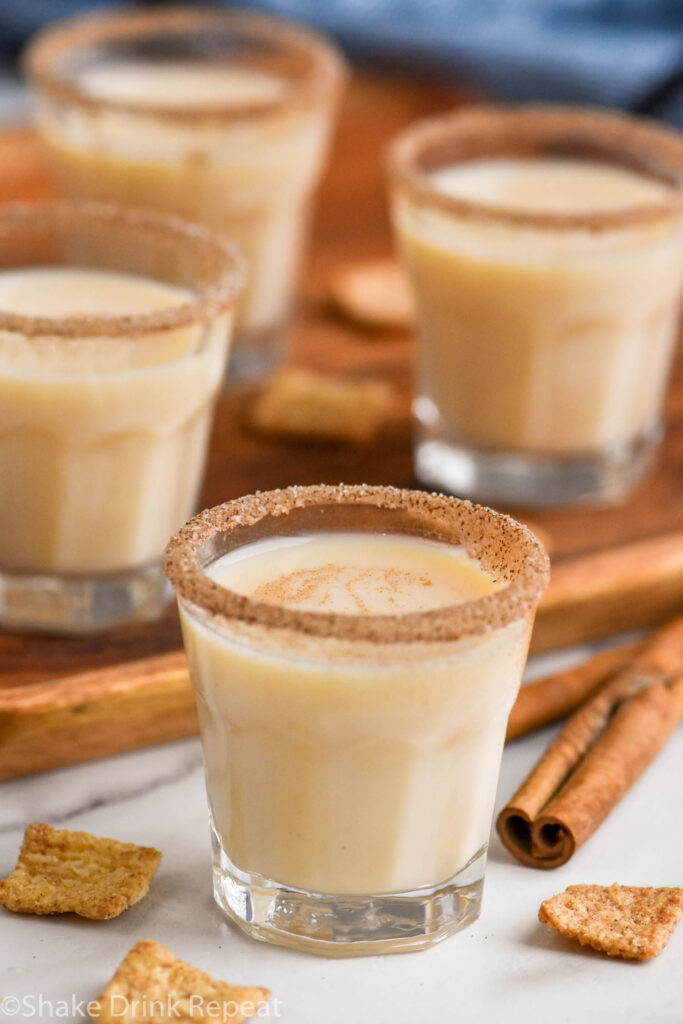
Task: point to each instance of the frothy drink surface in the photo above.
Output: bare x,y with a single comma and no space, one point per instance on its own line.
548,184
181,84
67,291
355,573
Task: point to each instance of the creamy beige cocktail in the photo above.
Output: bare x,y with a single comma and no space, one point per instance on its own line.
355,653
546,253
114,332
218,116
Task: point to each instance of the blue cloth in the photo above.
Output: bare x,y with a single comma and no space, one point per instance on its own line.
621,53
625,53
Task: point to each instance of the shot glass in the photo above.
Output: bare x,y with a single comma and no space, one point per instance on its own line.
352,757
114,331
546,253
220,116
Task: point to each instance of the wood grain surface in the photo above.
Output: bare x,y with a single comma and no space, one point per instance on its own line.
351,223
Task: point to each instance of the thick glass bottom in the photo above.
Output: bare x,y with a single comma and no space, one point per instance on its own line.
344,926
81,604
255,354
511,478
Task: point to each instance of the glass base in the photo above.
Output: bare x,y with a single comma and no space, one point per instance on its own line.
81,604
343,926
255,354
510,478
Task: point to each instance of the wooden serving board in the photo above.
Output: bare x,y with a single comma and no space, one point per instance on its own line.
81,718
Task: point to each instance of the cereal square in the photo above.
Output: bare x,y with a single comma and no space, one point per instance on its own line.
60,871
152,986
629,921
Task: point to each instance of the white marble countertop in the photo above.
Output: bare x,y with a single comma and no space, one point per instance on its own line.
507,967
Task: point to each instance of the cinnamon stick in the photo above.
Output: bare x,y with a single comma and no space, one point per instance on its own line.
556,696
604,747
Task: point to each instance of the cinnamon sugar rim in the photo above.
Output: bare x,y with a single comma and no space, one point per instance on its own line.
504,547
541,130
325,72
226,277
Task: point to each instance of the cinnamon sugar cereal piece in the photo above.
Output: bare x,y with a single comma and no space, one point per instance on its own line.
61,871
629,921
375,294
320,407
152,986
